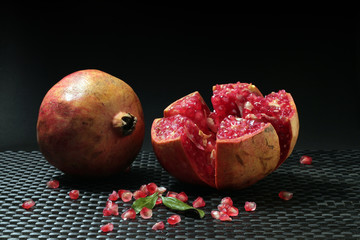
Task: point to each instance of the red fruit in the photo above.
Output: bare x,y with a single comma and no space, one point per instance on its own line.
158,201
107,228
171,194
53,184
247,136
215,214
28,204
285,195
199,202
306,160
174,219
182,197
250,206
146,213
158,226
224,217
90,124
74,194
128,214
232,211
111,209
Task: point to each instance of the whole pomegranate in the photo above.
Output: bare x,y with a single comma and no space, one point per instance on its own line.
90,124
245,138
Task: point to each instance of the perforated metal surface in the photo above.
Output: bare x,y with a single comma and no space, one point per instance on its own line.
326,202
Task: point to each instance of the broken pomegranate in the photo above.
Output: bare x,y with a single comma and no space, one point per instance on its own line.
306,160
245,138
174,219
74,194
28,204
53,184
90,124
107,228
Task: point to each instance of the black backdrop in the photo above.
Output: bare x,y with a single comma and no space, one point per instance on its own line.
166,52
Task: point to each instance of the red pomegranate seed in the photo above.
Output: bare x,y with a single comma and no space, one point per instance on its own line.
285,195
182,197
158,201
107,228
129,214
215,214
28,204
114,196
151,188
232,211
111,209
158,226
74,194
174,219
161,190
139,194
144,189
225,217
171,194
223,207
306,160
126,195
146,213
199,202
227,201
250,206
53,184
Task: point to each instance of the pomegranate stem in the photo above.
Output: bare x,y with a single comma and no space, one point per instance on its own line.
124,123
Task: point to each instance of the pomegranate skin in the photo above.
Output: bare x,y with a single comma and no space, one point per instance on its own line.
244,161
78,127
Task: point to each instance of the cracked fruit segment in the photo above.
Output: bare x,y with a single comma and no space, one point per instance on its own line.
245,138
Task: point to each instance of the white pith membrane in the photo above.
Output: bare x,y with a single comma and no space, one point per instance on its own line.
251,113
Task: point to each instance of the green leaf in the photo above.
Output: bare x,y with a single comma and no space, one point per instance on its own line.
176,204
148,202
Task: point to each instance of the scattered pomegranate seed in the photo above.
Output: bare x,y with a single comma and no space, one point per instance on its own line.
139,194
174,219
225,217
114,196
306,160
250,206
74,194
107,228
146,213
126,195
199,202
223,207
161,189
144,189
232,211
28,204
285,195
129,214
182,197
215,214
171,194
151,188
111,209
227,201
158,201
53,184
158,226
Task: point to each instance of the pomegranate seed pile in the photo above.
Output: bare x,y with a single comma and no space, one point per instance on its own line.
225,211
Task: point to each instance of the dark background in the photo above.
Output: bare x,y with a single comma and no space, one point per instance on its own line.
166,52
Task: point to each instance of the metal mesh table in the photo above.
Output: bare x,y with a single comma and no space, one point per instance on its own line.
326,202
